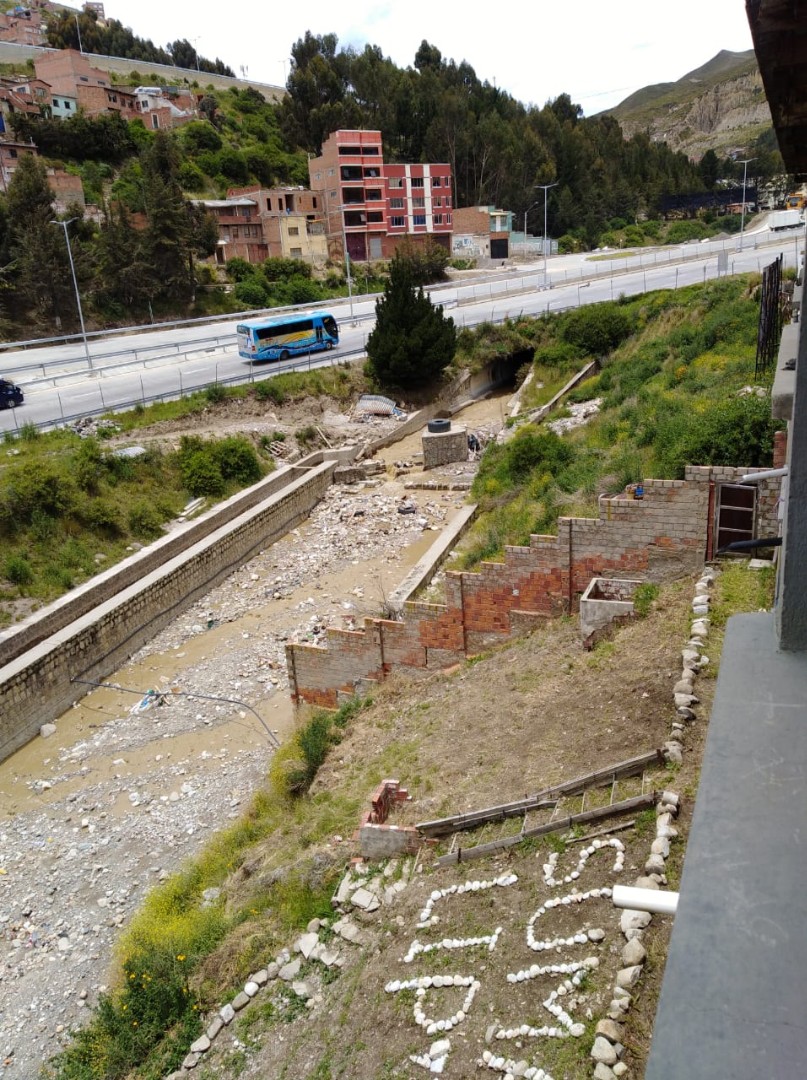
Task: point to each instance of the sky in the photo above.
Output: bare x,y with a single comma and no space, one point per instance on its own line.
597,51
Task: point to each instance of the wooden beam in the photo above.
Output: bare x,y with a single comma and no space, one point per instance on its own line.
627,806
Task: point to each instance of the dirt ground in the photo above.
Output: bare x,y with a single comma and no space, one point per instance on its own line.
529,715
132,797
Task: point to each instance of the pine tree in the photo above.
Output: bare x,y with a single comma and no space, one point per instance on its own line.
413,342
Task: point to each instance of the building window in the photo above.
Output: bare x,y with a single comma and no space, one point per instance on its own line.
396,182
418,219
375,216
318,176
332,194
314,201
397,222
83,78
331,172
417,181
374,194
396,204
419,202
437,181
296,253
448,219
438,219
155,120
293,230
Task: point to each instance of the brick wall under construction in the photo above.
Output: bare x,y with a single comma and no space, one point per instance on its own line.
661,536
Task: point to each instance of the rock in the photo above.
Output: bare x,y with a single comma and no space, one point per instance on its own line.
620,1069
437,1049
634,920
191,1061
306,944
251,988
301,989
602,1072
289,971
364,899
603,1051
611,1031
214,1027
47,730
672,754
633,953
683,686
629,976
227,1013
201,1045
240,1001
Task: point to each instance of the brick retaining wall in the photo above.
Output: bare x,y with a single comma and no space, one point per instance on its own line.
659,537
35,687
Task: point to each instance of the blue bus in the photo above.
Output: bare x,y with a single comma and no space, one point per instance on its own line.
285,336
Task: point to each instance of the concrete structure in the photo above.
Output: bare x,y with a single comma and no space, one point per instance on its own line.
444,447
733,999
668,532
67,189
96,627
371,206
165,107
257,223
605,602
10,154
482,233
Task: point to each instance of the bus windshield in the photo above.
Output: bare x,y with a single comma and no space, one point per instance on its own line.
286,336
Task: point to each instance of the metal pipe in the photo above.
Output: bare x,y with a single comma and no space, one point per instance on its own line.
766,474
656,901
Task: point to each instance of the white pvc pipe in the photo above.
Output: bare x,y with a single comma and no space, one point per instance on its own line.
653,900
766,474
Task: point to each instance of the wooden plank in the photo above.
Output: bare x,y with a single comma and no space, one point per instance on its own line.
473,818
542,799
627,806
602,832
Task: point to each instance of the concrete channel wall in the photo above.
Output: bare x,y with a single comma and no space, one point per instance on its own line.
119,614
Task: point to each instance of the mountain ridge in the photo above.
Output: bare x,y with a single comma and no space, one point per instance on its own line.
720,105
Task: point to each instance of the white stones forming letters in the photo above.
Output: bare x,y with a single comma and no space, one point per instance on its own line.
580,938
595,846
436,982
426,917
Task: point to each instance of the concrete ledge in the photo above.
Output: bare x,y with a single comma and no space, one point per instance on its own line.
784,380
425,569
734,997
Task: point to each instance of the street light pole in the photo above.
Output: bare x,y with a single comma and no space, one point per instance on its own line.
546,188
78,32
744,164
340,209
64,225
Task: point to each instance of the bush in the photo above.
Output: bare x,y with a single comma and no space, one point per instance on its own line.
282,269
216,393
18,570
269,390
237,460
201,474
238,269
251,292
144,521
596,329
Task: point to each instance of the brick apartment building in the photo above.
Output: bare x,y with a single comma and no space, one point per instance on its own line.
482,232
371,206
259,223
70,75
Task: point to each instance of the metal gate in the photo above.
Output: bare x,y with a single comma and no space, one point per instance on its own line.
736,513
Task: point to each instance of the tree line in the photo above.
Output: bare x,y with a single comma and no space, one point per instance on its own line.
83,31
127,268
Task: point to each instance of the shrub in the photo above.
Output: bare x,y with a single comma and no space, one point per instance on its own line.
144,521
275,269
643,598
18,570
201,474
251,292
597,328
102,516
216,393
270,390
238,269
237,460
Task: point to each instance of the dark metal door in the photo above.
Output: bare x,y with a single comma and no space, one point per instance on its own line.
736,513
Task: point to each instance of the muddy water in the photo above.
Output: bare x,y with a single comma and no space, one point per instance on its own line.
99,740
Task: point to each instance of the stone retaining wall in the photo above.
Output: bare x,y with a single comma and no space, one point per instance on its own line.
36,686
661,536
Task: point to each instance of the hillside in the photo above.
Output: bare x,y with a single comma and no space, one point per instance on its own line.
718,106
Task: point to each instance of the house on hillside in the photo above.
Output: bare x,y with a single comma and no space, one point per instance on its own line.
370,206
165,107
72,78
258,223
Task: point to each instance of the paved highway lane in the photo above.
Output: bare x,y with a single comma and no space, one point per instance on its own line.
69,391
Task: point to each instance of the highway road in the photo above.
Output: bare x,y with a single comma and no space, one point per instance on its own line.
125,368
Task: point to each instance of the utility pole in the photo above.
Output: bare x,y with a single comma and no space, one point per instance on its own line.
64,225
744,164
546,188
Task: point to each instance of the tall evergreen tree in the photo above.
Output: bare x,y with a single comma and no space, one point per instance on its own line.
413,342
168,240
39,261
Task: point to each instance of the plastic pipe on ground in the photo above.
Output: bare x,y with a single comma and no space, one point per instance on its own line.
653,900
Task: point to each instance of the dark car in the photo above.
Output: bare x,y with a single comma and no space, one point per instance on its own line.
10,394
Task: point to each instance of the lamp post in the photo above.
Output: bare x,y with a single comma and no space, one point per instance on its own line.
744,164
546,188
64,225
78,32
